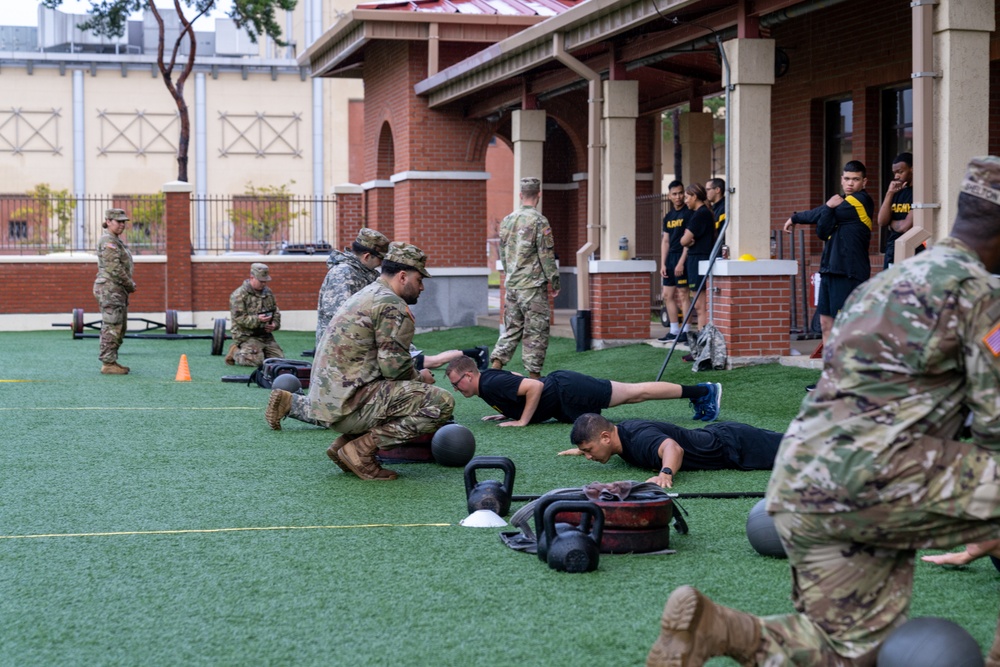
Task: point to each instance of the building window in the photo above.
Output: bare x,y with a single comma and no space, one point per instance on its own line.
17,230
839,141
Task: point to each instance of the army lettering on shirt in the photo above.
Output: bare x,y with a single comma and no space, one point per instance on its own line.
673,227
902,202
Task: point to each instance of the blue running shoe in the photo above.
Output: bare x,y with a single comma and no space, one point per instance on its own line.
696,406
710,405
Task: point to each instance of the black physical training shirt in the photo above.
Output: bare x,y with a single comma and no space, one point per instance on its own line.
499,390
702,225
673,227
718,446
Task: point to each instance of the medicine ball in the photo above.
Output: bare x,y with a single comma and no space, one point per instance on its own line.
930,642
762,534
288,382
453,445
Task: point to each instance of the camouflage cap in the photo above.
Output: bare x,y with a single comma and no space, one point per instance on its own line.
530,185
410,255
982,179
260,272
115,214
374,241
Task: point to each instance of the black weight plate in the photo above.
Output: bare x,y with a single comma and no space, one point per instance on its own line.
236,378
218,336
77,320
171,321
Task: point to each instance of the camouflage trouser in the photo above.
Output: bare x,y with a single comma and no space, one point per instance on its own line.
852,572
395,412
253,351
526,317
302,411
114,322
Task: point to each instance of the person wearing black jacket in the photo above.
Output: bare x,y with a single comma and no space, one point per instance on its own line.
845,225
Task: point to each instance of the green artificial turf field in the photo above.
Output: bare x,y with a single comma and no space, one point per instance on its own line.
145,521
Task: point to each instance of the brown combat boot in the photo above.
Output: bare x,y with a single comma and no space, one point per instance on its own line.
113,369
694,629
496,365
359,456
334,449
231,355
279,404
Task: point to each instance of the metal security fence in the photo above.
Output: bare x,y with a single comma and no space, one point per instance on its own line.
263,224
46,222
649,213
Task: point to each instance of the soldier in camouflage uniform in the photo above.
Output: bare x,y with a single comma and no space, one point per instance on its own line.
111,288
254,316
348,273
363,382
871,470
530,266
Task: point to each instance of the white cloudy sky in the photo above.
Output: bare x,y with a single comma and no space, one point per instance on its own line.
25,12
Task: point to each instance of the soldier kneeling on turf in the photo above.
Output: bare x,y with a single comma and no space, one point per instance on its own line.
254,316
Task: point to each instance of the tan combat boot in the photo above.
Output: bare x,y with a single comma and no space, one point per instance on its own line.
279,404
359,456
127,369
694,629
334,449
231,355
113,369
496,365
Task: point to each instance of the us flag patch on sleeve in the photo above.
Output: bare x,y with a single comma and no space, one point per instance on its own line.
992,340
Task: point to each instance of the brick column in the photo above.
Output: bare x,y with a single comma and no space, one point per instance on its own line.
619,301
750,308
350,213
179,287
380,207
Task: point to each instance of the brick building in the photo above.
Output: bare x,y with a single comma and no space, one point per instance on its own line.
578,97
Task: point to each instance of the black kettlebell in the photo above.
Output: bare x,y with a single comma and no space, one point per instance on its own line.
542,543
490,494
577,549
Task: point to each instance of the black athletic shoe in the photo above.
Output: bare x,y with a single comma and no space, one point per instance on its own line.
668,338
483,358
683,338
810,387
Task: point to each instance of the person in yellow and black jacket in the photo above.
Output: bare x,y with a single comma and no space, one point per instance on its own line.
715,188
845,225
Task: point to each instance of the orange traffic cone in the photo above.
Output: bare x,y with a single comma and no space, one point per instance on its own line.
183,372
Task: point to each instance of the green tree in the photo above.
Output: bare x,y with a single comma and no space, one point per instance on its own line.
146,212
263,212
47,206
109,18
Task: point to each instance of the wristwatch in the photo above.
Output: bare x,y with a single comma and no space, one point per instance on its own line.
667,471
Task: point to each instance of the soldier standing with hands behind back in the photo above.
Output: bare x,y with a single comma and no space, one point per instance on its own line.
111,288
530,265
254,316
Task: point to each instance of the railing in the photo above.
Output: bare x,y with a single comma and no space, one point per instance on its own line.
265,225
54,222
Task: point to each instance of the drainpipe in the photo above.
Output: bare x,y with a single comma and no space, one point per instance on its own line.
923,129
594,145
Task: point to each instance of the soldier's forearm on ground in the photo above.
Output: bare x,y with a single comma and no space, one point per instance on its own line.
532,392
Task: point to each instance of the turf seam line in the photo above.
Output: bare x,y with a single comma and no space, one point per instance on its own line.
225,530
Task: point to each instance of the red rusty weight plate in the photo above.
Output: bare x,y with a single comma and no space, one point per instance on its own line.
78,320
631,514
634,541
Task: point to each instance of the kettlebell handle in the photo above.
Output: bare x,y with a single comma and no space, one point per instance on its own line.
588,511
489,462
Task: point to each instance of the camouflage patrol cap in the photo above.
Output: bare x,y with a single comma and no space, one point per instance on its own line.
530,185
115,214
374,241
409,255
982,179
260,272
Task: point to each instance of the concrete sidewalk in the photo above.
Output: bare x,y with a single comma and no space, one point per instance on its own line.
799,351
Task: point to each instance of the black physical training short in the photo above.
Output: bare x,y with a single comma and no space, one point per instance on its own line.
834,289
579,393
694,275
671,280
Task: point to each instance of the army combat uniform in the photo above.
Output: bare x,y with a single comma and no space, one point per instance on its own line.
345,275
530,264
252,342
363,378
111,288
870,470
